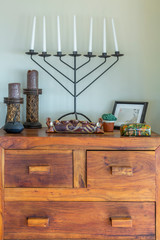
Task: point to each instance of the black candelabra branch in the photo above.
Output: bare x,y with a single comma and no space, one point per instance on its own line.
75,82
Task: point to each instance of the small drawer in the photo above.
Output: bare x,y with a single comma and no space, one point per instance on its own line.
38,168
129,175
28,220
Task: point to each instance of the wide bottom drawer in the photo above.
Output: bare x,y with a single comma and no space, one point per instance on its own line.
107,220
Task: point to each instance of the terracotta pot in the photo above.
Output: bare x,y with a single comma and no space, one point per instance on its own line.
108,126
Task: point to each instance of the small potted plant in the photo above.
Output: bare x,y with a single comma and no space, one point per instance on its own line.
108,122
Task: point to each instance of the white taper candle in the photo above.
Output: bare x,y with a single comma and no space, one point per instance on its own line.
74,35
104,36
90,35
33,33
58,34
114,35
44,34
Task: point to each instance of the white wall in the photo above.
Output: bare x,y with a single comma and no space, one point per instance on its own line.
134,78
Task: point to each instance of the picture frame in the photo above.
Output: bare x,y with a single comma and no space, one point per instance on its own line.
129,112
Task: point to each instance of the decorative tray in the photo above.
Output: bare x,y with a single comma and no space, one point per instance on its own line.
73,126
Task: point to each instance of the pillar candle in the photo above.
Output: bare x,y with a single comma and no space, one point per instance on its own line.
14,90
32,79
33,33
44,34
74,35
90,35
115,37
104,36
58,35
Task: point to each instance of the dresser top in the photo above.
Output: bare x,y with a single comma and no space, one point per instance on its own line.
39,139
42,133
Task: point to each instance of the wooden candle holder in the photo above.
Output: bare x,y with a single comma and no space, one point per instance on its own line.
32,93
13,102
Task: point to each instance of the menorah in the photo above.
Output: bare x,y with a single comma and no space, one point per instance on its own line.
74,67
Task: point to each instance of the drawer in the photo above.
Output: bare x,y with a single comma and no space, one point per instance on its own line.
130,174
38,168
28,220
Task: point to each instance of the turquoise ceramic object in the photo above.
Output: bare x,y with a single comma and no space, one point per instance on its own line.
13,127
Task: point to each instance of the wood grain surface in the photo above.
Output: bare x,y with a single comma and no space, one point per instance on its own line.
80,182
18,162
122,171
80,174
84,219
1,193
78,194
158,193
58,236
99,171
37,222
39,139
123,222
39,169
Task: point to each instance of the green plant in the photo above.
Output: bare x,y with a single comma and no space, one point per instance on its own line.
109,117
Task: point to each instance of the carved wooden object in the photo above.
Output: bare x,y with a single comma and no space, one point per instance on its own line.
39,169
13,102
123,222
119,171
12,111
32,106
38,222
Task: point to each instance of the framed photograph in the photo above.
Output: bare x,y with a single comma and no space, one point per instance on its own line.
129,112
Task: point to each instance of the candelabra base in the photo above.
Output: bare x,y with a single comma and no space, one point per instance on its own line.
32,125
76,115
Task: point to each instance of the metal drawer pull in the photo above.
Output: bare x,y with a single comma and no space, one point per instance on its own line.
38,222
39,169
123,222
122,171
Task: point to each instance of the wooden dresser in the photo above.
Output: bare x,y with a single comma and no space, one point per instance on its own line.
76,186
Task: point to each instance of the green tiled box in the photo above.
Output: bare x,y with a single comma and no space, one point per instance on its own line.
135,130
